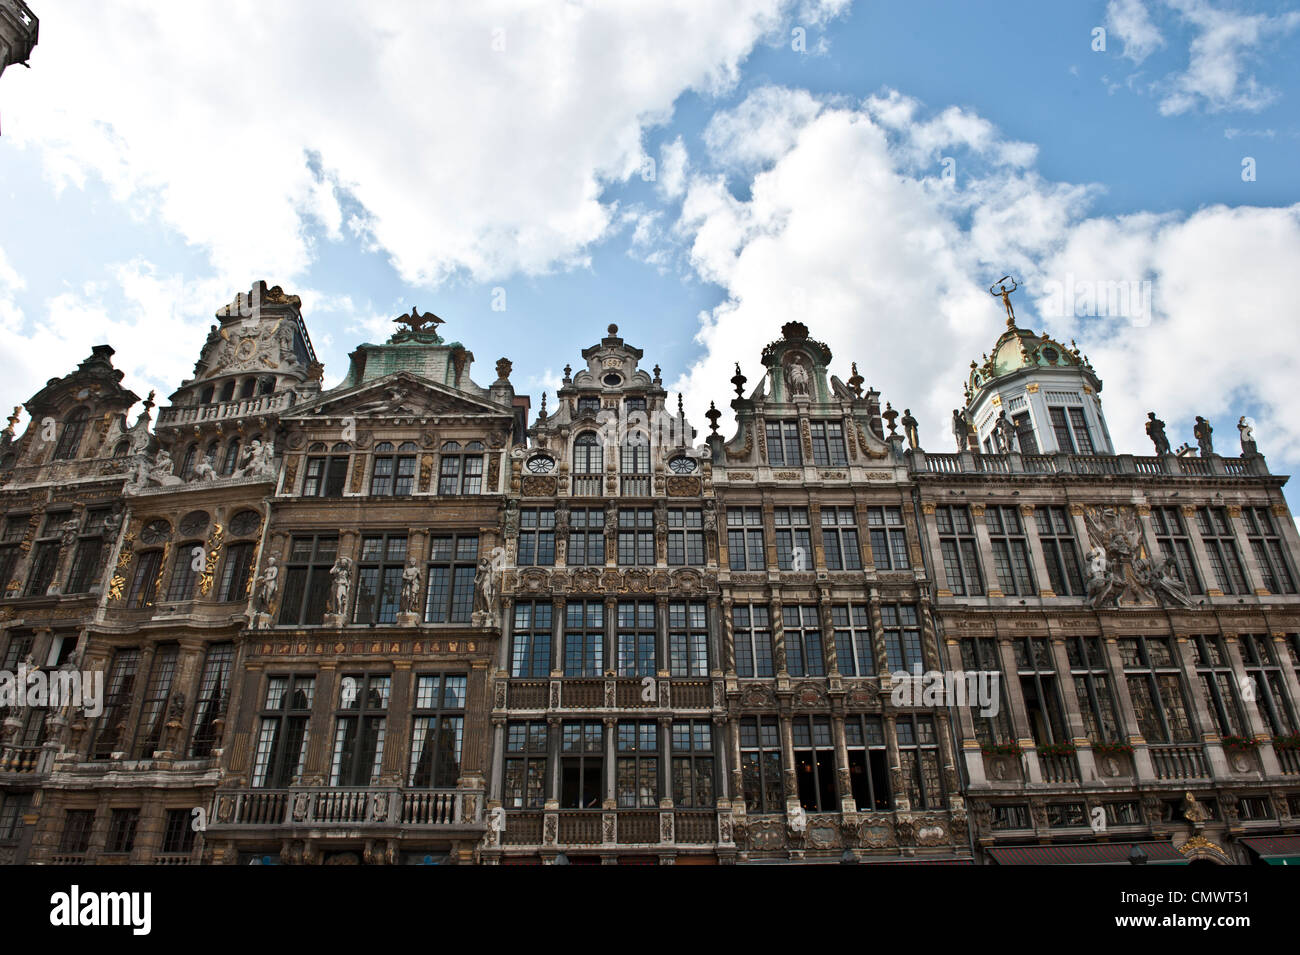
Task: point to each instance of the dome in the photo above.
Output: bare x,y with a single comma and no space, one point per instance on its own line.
1019,348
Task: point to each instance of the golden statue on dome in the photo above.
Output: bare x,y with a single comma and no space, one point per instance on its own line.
999,290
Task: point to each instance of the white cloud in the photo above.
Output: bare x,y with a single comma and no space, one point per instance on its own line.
673,164
1130,21
852,230
474,137
1216,78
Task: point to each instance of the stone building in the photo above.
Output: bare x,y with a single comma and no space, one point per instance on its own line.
397,621
19,30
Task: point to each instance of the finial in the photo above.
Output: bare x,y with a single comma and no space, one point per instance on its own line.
739,381
679,403
657,372
568,373
856,382
13,421
890,416
999,289
613,329
149,402
541,415
713,414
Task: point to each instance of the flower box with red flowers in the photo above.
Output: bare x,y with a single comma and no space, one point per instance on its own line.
1056,749
1289,742
1111,748
1001,749
1240,744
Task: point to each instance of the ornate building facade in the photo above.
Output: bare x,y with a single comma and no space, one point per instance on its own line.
402,621
19,30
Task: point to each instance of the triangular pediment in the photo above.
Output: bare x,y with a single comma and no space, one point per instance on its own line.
399,395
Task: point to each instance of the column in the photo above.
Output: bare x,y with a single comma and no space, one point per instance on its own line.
1019,720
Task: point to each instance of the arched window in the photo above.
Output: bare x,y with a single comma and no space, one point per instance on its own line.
205,396
461,470
70,439
122,448
231,460
213,454
266,386
187,466
634,455
228,390
246,390
588,457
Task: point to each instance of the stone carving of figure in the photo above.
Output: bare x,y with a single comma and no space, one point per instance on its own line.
910,428
411,588
341,574
139,475
1202,432
204,471
1166,579
68,531
798,820
161,471
1102,585
267,585
258,460
796,376
1156,432
1004,433
484,588
960,429
1193,811
1247,432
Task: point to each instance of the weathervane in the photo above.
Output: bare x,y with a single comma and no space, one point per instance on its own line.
999,289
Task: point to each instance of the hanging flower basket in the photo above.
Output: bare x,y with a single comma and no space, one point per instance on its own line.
1289,742
1001,749
1056,749
1240,744
1111,748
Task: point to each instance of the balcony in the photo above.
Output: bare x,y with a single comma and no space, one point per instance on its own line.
365,807
1288,759
1179,762
254,405
528,694
1058,768
20,759
1088,465
588,485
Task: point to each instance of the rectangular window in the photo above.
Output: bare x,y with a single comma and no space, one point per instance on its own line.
753,640
868,762
360,726
13,806
840,538
45,560
685,536
1265,677
1221,548
525,765
437,730
586,537
902,633
121,830
1026,440
236,575
178,833
214,694
1214,670
307,580
636,638
980,655
688,638
888,538
282,731
1270,553
1092,687
584,638
918,757
828,443
853,650
793,539
1171,537
760,764
814,763
636,535
536,537
86,562
783,448
449,585
144,583
1156,688
1061,428
801,626
1010,551
153,710
325,476
110,728
957,544
693,762
530,654
393,474
75,838
8,564
636,770
1060,551
184,576
1039,691
582,762
379,578
745,549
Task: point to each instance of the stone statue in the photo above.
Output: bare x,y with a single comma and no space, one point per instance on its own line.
1202,432
960,430
267,585
484,592
258,460
999,290
1004,434
1103,585
161,471
68,531
796,377
910,429
1156,432
411,588
1247,432
1167,581
204,471
798,820
341,574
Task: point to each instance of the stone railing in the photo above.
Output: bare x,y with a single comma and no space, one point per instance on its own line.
1179,762
225,410
968,462
359,807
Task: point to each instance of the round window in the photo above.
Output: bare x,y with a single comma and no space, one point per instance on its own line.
541,464
612,380
682,464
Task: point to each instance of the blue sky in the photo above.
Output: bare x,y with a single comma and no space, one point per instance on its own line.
157,159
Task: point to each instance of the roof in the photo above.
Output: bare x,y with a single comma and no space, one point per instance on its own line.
1095,853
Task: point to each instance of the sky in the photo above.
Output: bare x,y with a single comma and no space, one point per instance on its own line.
698,173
